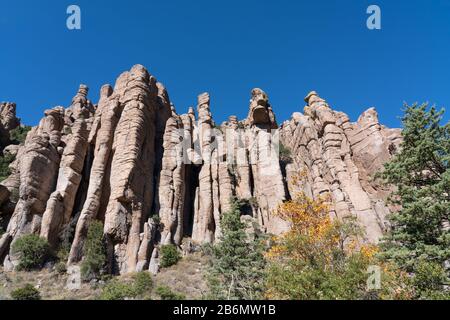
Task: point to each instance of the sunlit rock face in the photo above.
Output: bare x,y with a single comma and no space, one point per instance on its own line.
340,159
154,176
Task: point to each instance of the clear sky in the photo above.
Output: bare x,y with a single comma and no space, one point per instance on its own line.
285,47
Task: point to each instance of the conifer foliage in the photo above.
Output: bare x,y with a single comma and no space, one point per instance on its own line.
421,174
419,239
237,264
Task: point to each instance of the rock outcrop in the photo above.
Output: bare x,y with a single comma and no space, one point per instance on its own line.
38,171
8,116
339,159
155,177
8,122
61,202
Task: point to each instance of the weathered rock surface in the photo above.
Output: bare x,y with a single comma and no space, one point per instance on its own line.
61,202
8,122
38,167
8,116
339,159
155,177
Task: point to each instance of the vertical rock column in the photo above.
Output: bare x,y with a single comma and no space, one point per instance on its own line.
341,173
39,165
132,169
172,184
105,122
204,223
269,189
60,205
238,158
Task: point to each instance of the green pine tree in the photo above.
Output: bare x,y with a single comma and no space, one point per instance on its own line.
421,174
237,265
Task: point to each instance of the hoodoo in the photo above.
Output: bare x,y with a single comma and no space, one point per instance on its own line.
153,176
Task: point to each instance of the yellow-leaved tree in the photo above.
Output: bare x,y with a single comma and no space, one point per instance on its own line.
322,258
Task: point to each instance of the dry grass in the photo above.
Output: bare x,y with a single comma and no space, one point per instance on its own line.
51,285
187,278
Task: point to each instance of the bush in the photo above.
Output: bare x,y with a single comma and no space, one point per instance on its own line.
19,134
156,218
14,198
94,252
285,154
61,268
165,293
5,161
116,290
33,251
143,283
28,292
429,280
169,256
140,287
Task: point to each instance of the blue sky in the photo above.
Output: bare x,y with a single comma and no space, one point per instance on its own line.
285,47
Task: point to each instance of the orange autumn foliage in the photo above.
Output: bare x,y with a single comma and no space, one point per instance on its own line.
319,247
310,220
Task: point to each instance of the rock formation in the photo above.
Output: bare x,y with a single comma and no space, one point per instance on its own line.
8,116
156,177
8,122
335,154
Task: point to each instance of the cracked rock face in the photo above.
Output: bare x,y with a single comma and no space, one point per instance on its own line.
8,116
8,122
339,158
38,170
155,177
261,113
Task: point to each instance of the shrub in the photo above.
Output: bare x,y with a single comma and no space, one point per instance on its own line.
140,287
5,161
61,267
94,252
14,198
33,251
156,218
62,256
116,290
143,283
165,293
169,256
429,280
19,134
28,292
285,154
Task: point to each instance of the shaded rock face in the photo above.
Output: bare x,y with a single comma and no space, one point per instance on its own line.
155,177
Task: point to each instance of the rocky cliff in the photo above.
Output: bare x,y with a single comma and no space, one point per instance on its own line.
154,176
